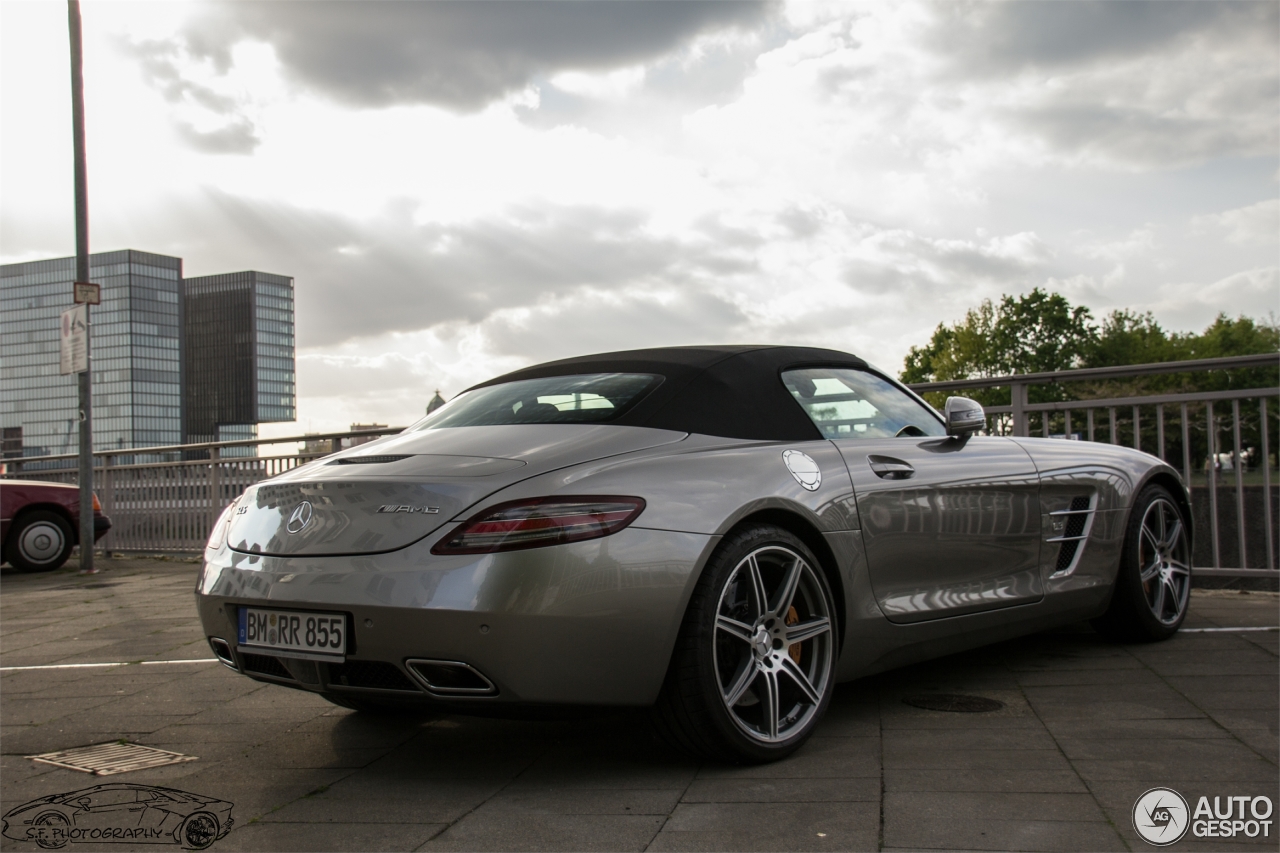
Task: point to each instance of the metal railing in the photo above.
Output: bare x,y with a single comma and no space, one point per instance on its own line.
165,499
1204,435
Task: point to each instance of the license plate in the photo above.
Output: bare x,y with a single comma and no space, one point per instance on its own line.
294,631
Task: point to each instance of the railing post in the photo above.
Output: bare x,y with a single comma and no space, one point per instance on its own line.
1137,430
108,499
1266,483
215,491
1088,415
1186,447
1237,462
1213,483
1160,429
1115,432
1018,396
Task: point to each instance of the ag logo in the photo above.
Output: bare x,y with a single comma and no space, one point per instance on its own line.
1161,817
301,517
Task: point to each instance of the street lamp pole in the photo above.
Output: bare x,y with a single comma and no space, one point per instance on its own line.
84,379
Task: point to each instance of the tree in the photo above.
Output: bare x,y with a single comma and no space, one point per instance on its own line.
1033,333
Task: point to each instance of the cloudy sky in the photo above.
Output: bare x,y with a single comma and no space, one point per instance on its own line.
464,188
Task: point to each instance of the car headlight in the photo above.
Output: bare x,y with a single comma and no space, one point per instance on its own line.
219,532
539,522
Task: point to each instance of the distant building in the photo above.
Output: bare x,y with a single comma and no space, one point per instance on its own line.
239,352
362,439
136,352
436,402
173,360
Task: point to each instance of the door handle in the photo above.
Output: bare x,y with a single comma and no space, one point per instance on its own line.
888,468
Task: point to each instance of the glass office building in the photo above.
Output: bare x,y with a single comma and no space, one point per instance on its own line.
136,354
239,354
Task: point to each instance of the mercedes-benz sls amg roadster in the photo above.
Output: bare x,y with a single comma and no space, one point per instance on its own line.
721,533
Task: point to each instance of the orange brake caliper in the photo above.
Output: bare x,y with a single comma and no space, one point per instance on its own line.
794,649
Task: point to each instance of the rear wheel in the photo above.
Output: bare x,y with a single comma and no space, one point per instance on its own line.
1153,585
198,831
754,665
40,541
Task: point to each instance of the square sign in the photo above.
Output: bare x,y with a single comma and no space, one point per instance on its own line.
88,293
75,341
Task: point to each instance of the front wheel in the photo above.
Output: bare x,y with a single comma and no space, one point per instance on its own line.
1153,585
754,664
198,831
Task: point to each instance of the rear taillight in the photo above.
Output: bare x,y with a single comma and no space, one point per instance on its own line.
97,504
538,522
220,526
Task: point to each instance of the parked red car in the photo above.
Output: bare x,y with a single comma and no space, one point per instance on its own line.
40,523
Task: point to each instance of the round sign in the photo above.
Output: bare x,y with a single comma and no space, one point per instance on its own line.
1161,816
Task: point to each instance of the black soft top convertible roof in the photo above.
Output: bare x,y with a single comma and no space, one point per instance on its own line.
729,391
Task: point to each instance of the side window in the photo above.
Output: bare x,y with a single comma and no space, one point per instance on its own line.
847,403
113,797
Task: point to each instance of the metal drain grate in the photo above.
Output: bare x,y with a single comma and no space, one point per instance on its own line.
106,759
954,702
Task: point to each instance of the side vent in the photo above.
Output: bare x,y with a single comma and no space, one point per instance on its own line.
1073,536
366,460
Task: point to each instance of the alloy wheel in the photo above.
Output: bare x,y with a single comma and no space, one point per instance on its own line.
773,644
1165,561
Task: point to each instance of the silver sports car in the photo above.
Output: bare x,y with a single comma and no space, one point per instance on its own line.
721,533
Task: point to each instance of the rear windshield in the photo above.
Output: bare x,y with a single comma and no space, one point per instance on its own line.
583,399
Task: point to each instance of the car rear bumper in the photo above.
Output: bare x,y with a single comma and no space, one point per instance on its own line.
588,623
101,524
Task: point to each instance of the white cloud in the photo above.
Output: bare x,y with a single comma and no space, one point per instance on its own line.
816,177
1256,224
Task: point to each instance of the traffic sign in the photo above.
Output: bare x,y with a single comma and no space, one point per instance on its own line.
88,293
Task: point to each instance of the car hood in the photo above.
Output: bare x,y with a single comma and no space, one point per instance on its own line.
389,493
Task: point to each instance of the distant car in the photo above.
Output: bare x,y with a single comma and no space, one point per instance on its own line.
121,812
721,533
40,523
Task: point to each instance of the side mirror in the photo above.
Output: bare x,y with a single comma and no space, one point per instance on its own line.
964,416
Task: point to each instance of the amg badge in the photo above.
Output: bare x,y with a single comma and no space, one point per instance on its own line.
428,510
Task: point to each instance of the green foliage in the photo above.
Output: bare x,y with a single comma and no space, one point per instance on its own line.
1033,333
1042,332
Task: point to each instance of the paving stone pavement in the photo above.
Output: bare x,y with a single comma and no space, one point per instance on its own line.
1086,728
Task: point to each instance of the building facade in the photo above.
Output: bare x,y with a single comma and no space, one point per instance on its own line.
136,354
239,354
173,360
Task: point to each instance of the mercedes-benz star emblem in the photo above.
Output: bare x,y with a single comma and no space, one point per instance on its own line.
301,517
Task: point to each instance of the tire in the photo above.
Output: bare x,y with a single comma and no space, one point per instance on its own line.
52,819
40,541
1153,583
198,831
754,665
